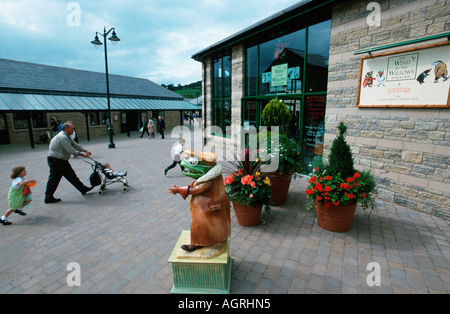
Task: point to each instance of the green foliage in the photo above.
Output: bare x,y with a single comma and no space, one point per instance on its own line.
340,159
288,153
192,90
276,113
337,183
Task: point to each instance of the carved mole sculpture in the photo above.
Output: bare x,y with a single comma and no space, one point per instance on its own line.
209,204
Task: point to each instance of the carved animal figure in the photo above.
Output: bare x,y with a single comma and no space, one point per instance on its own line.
209,204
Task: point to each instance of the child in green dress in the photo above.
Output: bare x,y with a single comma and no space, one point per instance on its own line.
17,197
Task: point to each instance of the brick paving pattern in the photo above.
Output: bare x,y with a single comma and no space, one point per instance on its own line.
122,241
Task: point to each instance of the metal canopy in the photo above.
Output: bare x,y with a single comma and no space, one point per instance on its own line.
37,102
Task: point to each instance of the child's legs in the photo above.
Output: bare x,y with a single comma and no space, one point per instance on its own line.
172,165
8,212
26,203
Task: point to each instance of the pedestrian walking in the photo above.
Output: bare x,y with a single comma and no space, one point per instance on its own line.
176,155
151,129
60,149
19,194
144,127
162,126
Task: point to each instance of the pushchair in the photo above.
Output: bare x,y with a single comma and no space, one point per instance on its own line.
103,176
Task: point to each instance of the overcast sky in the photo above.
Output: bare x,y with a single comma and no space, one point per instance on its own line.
158,37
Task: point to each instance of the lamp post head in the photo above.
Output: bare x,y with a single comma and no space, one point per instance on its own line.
96,41
114,37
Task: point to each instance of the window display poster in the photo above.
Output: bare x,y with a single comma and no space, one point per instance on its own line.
314,126
412,78
279,75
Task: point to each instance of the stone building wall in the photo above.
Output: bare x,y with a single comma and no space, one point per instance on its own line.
408,149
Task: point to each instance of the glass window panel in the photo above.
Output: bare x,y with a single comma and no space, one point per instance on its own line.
252,70
104,117
250,114
226,77
20,120
38,120
94,118
318,57
217,78
282,64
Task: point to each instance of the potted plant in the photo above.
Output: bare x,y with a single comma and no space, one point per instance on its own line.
290,164
288,154
248,190
336,188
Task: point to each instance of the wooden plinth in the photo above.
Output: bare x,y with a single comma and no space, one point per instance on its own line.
197,273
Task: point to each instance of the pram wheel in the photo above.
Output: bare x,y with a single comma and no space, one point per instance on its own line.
125,188
100,192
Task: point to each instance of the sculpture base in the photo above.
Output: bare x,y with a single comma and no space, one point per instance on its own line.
205,271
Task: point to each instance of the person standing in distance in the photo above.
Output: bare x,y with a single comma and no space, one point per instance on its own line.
162,126
60,149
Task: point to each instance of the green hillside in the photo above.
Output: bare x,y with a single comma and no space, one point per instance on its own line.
192,90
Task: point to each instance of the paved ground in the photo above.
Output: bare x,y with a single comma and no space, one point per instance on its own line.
122,241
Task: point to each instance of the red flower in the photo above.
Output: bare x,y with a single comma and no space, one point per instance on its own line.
328,178
312,180
246,180
357,176
253,184
228,180
327,188
309,192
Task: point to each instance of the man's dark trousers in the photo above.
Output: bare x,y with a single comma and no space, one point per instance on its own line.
61,168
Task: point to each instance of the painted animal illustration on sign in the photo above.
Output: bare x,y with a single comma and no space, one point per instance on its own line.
440,71
368,79
423,75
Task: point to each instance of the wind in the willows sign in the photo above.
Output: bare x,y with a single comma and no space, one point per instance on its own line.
417,77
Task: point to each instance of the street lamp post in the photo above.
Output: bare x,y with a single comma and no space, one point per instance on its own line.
97,42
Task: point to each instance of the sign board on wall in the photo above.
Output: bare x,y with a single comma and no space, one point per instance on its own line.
416,77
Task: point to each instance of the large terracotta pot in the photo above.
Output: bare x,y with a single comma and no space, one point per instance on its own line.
247,215
336,218
279,185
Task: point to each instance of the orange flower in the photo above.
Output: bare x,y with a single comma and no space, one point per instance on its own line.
228,180
246,180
